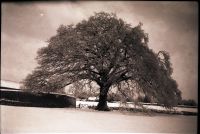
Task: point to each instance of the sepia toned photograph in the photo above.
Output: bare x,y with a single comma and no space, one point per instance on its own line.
99,67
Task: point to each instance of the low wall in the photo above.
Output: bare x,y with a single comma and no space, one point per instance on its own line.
21,98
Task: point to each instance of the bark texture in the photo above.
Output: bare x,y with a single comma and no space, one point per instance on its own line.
102,105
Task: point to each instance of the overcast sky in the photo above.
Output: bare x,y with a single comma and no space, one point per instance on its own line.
172,26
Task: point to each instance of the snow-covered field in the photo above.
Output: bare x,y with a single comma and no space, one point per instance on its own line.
131,105
63,120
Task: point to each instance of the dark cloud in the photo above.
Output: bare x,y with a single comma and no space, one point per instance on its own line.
172,26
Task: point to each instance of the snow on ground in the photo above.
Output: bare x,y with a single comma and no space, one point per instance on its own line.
56,120
131,105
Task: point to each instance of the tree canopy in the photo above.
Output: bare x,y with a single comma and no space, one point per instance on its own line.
106,50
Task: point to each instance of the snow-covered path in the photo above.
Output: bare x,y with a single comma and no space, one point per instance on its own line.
56,120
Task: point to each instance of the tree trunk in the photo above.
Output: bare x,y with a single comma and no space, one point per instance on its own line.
102,105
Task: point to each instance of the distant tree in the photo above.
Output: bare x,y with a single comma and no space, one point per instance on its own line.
114,97
105,50
145,99
82,91
188,102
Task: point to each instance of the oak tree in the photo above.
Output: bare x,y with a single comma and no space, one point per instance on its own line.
106,50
